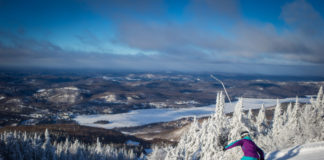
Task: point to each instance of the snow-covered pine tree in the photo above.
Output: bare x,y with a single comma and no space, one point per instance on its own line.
261,122
288,112
188,144
236,120
204,141
277,126
250,116
27,151
308,121
238,123
318,106
48,150
98,149
277,120
293,126
320,95
220,105
220,120
215,132
322,99
14,145
250,122
263,135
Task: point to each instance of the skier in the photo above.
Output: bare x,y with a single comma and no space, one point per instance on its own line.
250,149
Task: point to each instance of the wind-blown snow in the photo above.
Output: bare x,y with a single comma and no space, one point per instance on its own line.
148,116
311,151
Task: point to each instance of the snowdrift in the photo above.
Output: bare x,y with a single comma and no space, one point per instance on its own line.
310,151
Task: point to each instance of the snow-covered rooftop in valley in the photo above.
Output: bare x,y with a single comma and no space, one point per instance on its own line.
41,90
132,143
311,151
148,116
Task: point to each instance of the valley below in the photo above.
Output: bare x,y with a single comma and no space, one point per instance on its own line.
153,108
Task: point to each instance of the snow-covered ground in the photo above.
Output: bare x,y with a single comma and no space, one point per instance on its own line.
147,116
311,151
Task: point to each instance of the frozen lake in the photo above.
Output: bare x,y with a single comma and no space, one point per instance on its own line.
147,116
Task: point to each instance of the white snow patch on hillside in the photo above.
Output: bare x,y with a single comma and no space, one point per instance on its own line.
311,151
158,104
148,116
109,98
71,88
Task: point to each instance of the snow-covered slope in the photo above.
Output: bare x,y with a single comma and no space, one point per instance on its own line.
311,151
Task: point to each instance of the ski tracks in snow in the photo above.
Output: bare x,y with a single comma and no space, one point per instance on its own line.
311,151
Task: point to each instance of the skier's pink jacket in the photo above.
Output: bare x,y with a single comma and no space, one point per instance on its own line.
250,149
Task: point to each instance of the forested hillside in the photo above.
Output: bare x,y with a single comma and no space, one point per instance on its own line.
300,124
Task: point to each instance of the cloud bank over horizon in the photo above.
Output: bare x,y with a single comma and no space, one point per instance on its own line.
268,37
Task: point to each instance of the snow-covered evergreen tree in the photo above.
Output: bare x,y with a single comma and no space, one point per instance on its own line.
294,123
48,150
318,111
17,145
261,122
308,122
288,112
319,97
238,123
250,116
205,140
277,120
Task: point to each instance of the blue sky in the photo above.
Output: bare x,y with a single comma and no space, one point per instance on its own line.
278,37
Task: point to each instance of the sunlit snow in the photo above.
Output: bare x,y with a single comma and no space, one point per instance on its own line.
311,151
